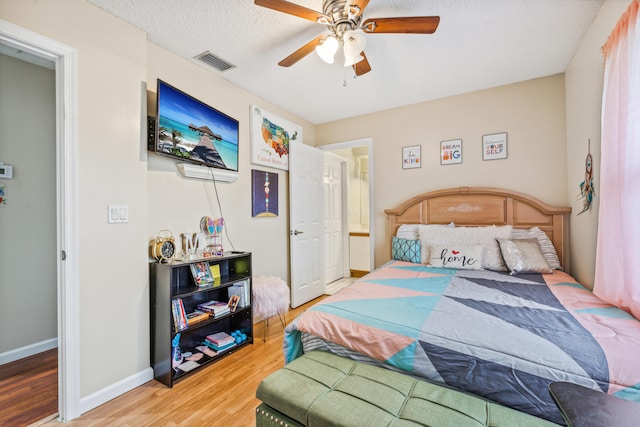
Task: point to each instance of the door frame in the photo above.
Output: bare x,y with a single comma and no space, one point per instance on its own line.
65,59
368,142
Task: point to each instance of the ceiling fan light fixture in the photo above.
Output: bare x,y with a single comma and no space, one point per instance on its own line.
354,42
327,50
352,60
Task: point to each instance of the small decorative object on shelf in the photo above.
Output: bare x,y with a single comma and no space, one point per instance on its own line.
163,247
200,312
212,229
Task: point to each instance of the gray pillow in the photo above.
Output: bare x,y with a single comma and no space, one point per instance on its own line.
523,256
546,247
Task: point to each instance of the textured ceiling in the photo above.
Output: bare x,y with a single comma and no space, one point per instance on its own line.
479,44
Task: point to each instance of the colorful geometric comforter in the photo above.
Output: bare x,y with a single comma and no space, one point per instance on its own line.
502,337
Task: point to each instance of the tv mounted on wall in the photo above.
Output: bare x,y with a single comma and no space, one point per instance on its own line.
190,130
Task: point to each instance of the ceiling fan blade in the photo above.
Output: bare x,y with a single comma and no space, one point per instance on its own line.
292,9
411,24
357,6
362,67
302,52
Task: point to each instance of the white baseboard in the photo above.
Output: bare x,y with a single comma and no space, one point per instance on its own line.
28,350
114,390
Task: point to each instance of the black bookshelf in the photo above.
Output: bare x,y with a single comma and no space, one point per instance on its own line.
174,281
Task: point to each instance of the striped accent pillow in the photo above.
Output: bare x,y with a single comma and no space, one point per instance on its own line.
546,247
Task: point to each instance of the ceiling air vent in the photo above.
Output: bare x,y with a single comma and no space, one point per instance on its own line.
213,61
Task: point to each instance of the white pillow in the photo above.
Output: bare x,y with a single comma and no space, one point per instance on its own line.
464,257
431,235
412,231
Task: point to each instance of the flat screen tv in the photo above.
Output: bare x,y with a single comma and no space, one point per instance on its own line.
190,130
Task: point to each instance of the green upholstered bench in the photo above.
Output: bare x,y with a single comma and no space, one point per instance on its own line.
322,389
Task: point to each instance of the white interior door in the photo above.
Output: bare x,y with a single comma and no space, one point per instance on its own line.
333,230
306,223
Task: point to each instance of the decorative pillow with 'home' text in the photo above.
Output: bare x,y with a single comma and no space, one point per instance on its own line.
464,257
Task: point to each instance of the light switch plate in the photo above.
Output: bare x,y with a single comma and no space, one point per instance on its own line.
117,214
6,171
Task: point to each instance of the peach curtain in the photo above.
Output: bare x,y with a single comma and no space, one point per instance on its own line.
617,276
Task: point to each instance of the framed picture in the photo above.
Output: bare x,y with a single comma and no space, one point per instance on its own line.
270,138
264,193
494,146
233,302
451,152
201,273
411,157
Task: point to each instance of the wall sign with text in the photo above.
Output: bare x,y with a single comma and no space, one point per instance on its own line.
494,146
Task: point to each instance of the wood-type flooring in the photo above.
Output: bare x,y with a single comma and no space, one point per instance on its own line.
221,394
29,389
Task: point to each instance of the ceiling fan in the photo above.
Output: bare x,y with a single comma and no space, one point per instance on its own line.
343,19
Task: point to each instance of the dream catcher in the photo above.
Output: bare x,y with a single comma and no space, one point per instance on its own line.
586,187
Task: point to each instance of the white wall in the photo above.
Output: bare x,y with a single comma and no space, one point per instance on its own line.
584,79
28,220
532,113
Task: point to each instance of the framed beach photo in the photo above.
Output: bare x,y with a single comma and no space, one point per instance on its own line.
494,146
411,157
451,152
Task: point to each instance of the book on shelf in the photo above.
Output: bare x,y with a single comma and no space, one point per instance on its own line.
188,365
201,273
196,316
215,272
215,308
220,338
179,315
241,289
220,348
220,341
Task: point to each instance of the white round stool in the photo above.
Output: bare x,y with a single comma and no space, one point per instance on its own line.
270,296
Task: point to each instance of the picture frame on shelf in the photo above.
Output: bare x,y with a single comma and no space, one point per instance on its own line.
494,146
451,152
233,302
411,157
201,273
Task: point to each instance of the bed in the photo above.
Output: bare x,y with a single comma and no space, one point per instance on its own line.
502,335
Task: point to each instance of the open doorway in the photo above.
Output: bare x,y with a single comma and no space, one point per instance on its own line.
65,257
357,207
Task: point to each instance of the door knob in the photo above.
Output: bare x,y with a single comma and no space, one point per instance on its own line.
296,232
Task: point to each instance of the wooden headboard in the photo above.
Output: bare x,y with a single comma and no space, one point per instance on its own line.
479,206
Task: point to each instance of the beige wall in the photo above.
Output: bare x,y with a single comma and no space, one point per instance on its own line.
114,299
116,68
532,113
584,79
27,221
178,203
